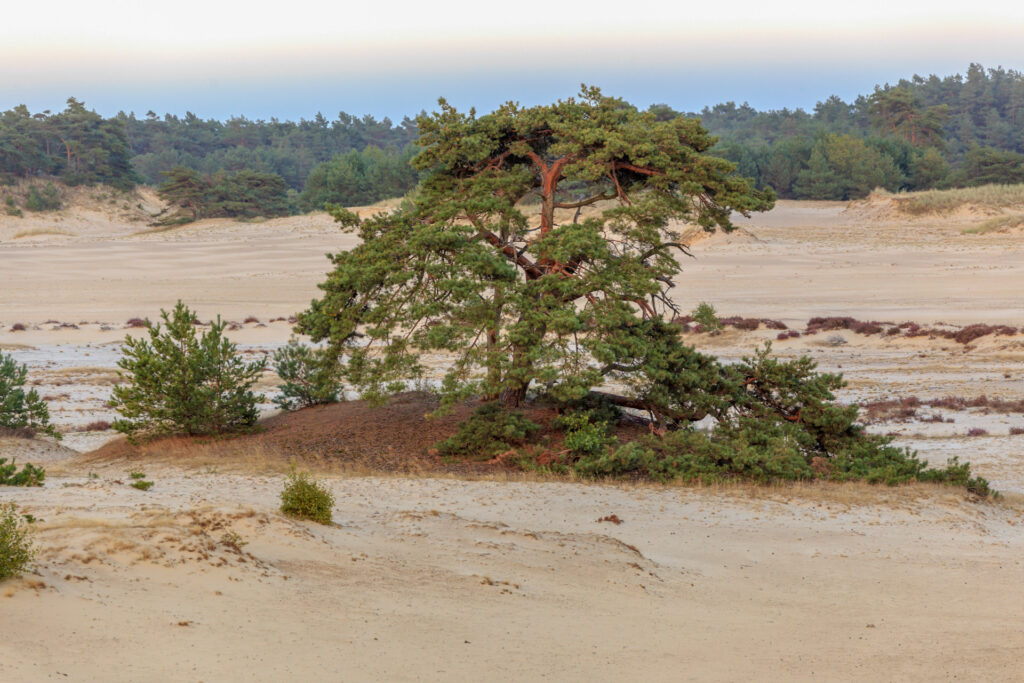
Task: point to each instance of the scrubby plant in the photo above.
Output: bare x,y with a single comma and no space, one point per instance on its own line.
585,434
30,475
139,481
47,199
20,409
178,382
11,207
306,498
705,316
489,431
308,374
16,548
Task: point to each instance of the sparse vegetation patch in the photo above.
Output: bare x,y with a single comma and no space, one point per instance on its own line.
16,547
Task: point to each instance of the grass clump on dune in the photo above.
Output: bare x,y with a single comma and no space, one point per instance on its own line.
306,498
998,224
941,201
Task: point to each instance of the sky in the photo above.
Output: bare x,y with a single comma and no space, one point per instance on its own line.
292,59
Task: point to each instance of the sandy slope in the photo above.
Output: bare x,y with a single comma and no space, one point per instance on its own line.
802,259
454,580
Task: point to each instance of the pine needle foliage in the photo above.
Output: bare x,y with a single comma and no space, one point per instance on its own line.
480,266
179,382
490,431
30,475
20,409
776,421
308,375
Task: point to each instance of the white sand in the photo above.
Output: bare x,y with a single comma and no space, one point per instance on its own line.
443,580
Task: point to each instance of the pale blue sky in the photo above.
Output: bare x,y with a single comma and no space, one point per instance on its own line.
290,60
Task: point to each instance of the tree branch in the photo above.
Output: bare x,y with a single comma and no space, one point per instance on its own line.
685,248
585,202
640,404
533,271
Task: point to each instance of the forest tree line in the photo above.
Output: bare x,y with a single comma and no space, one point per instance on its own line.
920,133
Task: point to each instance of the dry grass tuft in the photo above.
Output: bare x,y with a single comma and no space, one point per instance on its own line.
943,201
998,224
40,232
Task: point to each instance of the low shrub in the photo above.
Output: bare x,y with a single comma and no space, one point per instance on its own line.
741,323
16,548
11,207
46,199
29,475
306,498
782,424
489,431
585,435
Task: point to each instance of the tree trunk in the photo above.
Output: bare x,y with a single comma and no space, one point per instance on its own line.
512,397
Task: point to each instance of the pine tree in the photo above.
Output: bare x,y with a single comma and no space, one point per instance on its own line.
20,409
480,264
181,383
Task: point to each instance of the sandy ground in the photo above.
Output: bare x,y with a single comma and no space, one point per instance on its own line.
444,579
455,580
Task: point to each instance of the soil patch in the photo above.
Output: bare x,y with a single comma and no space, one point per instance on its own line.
397,437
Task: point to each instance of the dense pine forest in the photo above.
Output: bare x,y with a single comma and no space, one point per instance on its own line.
920,133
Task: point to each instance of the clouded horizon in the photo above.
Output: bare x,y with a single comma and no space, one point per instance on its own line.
261,63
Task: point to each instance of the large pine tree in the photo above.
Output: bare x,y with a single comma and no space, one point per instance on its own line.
483,265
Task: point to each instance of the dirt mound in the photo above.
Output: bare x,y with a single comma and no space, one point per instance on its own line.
397,437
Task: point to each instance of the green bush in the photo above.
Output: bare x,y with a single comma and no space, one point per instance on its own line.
489,431
11,207
16,550
306,498
181,383
47,199
20,409
308,374
584,435
29,475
